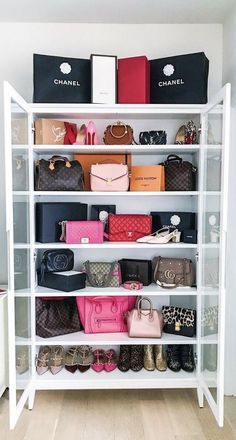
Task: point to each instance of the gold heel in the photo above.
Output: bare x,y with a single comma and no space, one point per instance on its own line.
176,238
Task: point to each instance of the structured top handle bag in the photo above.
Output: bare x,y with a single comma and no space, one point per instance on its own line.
118,134
145,323
59,174
180,175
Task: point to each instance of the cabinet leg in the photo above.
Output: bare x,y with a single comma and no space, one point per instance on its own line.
200,397
31,399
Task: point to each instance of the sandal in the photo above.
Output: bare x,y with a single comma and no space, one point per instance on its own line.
111,360
85,358
158,234
43,358
99,360
71,363
56,359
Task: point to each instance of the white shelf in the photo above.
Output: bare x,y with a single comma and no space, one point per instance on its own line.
115,380
80,338
151,290
117,193
115,245
114,149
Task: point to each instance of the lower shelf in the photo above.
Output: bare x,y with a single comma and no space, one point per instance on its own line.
115,380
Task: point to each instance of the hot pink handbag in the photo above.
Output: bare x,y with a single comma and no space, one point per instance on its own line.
109,177
145,323
104,314
75,232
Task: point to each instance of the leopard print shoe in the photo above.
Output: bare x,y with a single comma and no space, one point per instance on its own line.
124,358
137,357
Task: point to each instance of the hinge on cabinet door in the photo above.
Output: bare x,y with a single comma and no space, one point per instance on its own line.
32,127
36,360
197,257
195,358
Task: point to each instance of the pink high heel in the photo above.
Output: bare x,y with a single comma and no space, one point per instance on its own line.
111,360
91,134
99,360
81,135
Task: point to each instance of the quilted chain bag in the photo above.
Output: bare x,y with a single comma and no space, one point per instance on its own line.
179,321
100,274
179,174
173,272
128,227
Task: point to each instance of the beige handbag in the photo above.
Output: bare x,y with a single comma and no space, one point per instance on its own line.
173,272
144,323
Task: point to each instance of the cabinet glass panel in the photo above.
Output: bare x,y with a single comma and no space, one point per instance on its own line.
211,238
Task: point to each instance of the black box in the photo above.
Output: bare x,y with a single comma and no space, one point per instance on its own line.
48,216
65,281
190,236
174,220
180,79
62,80
136,270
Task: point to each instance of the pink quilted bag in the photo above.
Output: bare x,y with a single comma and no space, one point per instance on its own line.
104,314
76,232
109,177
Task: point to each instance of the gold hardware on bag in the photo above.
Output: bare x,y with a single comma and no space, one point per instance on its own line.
177,326
51,165
169,274
109,181
68,164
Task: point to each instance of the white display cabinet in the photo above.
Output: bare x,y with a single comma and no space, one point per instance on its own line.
209,258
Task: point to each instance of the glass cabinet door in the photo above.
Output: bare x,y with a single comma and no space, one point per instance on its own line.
18,236
213,225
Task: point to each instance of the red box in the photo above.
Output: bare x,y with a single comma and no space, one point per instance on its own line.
134,80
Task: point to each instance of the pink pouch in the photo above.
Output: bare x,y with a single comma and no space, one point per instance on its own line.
76,232
109,177
104,314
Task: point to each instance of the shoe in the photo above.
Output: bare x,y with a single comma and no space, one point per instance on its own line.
124,358
22,360
43,359
98,360
173,358
71,362
111,360
84,358
56,362
187,358
148,358
91,134
160,358
162,232
81,135
163,239
136,357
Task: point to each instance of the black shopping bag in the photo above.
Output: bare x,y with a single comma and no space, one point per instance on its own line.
180,79
61,80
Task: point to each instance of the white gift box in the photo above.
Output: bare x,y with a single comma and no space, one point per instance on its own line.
104,79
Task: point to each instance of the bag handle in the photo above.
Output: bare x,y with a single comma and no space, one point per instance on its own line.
118,124
173,158
99,299
55,159
150,313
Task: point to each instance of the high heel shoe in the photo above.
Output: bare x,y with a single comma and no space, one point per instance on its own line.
71,362
148,358
84,358
161,232
111,360
173,358
124,358
56,362
160,359
43,359
81,135
91,134
187,358
99,360
136,357
162,236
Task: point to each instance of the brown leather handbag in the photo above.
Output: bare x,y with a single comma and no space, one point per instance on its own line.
59,174
118,134
173,272
179,174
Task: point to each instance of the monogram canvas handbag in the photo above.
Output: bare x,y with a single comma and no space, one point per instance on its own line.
58,174
180,175
173,272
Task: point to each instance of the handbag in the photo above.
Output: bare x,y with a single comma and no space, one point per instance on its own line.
19,173
118,134
128,227
173,272
180,175
144,323
109,177
147,178
54,318
102,274
153,137
76,232
104,314
179,321
136,270
58,174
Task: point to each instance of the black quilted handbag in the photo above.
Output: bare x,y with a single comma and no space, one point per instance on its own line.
59,174
180,175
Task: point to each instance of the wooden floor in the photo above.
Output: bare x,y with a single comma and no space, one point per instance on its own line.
118,415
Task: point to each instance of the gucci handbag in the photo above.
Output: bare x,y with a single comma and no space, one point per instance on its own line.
118,134
53,261
173,272
144,323
128,227
180,175
109,177
179,321
58,174
102,274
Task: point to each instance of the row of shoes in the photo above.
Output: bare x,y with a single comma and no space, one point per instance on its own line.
136,357
75,358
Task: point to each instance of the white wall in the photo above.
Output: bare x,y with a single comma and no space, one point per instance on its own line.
229,75
19,41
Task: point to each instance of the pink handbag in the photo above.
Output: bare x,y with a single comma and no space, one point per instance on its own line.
104,314
75,232
145,323
109,177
